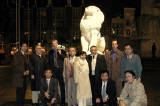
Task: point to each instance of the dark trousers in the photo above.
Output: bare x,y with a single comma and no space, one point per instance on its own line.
20,94
92,82
59,76
123,83
102,104
108,103
44,101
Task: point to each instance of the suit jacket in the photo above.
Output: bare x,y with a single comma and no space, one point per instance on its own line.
37,67
67,67
114,67
110,91
131,64
19,66
100,65
60,60
53,88
70,86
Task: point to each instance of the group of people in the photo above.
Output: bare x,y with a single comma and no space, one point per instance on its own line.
93,79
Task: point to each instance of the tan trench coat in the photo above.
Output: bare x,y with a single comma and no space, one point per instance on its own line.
134,94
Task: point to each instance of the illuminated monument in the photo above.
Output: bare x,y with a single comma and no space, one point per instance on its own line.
90,26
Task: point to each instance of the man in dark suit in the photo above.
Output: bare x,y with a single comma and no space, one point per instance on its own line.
48,89
56,59
96,64
20,71
105,91
38,64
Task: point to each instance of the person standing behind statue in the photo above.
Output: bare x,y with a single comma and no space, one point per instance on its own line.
131,61
96,64
38,64
55,61
68,75
113,59
20,71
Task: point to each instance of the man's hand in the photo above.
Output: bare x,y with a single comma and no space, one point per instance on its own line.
98,100
27,72
32,76
53,100
105,99
121,103
46,95
59,51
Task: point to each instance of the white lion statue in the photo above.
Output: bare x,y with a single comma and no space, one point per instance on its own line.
90,26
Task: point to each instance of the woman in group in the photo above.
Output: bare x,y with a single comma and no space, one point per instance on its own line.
81,77
133,93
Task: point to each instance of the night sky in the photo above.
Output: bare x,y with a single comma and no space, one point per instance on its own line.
113,7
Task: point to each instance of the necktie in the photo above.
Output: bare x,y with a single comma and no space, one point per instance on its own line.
93,57
71,70
55,58
103,93
93,64
114,56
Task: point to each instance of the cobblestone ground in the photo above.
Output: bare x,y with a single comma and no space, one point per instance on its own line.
150,79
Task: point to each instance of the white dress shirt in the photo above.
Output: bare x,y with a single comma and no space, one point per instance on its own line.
48,82
71,59
39,55
93,63
104,83
22,52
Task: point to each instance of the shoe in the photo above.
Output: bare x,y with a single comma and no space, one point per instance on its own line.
37,104
33,104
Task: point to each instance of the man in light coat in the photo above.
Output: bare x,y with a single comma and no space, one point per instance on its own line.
68,75
133,93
